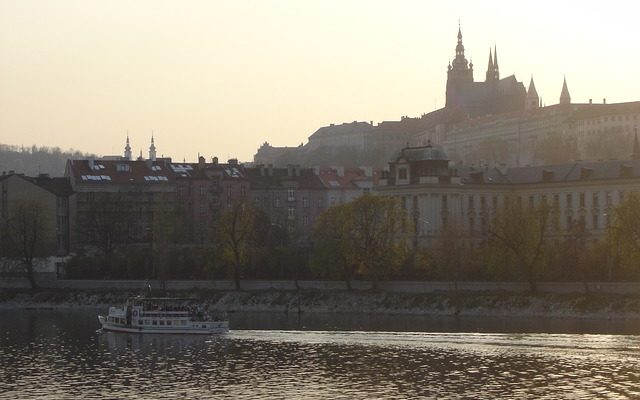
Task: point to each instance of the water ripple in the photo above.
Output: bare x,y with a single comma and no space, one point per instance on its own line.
48,356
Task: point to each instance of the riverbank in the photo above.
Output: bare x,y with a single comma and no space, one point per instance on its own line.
582,306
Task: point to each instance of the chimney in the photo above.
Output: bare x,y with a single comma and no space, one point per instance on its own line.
590,101
339,171
91,163
214,160
368,171
232,161
201,162
604,101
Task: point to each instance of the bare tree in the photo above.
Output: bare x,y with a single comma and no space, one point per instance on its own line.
26,238
236,230
522,232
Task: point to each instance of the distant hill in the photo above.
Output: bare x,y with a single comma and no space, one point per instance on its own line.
34,160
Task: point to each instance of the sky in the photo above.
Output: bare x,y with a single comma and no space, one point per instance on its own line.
219,78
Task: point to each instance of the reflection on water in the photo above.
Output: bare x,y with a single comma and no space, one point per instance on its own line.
58,355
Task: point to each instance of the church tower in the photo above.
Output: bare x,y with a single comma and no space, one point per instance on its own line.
532,100
459,73
493,73
127,150
565,97
152,150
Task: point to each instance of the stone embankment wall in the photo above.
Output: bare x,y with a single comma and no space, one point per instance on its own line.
625,288
560,300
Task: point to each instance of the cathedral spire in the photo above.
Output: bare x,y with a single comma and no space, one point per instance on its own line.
127,149
459,73
532,100
495,57
152,149
490,68
565,97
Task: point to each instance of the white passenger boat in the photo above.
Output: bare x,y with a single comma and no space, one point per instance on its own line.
162,315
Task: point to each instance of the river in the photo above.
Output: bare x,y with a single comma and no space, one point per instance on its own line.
58,355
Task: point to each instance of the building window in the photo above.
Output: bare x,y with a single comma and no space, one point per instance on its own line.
556,201
333,201
203,192
402,173
582,201
444,202
569,200
291,212
471,203
495,202
291,194
277,202
531,201
595,221
305,202
596,199
621,197
305,220
483,202
320,203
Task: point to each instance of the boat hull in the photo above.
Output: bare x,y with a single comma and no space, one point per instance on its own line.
217,328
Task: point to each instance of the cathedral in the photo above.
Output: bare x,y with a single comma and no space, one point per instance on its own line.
493,96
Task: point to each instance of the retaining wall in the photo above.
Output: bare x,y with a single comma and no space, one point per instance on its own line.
388,286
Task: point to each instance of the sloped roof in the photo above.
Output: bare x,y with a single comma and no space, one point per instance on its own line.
121,172
60,186
135,172
573,172
350,179
259,178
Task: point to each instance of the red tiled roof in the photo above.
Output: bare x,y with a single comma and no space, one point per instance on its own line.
120,171
332,180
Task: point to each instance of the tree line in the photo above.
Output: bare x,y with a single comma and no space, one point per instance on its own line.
370,238
33,160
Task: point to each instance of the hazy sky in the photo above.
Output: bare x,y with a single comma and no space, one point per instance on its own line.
220,78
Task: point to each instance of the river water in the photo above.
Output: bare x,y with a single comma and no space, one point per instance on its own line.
58,355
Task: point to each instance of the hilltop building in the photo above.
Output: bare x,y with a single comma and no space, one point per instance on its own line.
493,96
363,143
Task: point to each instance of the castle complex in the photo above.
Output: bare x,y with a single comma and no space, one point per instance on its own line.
493,96
484,123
